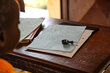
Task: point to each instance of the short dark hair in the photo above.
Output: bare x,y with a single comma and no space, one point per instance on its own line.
5,8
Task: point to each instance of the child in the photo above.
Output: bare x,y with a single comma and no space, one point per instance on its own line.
9,19
9,32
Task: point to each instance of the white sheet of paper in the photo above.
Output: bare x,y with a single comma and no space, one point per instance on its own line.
27,25
84,37
52,36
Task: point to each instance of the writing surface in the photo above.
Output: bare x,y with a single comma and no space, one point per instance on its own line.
52,36
84,37
27,25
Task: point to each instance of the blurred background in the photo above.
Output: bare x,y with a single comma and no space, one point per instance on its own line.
35,9
36,3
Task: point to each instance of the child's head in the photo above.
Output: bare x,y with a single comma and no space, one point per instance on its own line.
9,19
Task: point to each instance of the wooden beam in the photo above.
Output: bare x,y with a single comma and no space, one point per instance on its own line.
54,8
64,9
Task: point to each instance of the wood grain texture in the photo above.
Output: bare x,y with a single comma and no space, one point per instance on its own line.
89,59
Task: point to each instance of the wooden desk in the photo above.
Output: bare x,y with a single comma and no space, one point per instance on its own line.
89,59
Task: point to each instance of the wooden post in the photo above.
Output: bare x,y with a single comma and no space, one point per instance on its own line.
54,8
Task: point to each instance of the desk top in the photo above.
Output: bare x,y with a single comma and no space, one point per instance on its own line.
89,59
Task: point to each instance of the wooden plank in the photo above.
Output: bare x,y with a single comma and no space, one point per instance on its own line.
54,8
22,5
78,8
99,14
95,16
64,9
